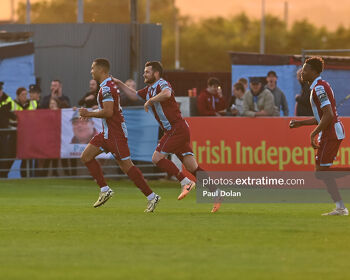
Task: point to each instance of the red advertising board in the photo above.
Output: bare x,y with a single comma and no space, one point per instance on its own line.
229,143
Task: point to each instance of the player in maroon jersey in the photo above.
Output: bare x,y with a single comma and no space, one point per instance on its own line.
160,99
329,128
113,139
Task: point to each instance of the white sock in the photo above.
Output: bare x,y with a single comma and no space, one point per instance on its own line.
151,196
339,204
185,181
104,189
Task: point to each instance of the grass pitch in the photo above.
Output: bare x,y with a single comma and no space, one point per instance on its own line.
49,230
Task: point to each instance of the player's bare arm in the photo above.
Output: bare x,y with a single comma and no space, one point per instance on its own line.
162,96
130,93
104,113
325,121
296,123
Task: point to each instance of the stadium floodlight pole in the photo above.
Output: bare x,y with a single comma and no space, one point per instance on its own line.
80,18
177,39
28,12
286,13
12,11
134,43
262,30
148,11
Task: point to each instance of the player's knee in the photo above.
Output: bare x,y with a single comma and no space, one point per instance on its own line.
156,158
85,158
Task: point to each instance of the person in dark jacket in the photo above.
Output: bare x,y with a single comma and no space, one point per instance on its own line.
303,106
90,98
7,138
211,101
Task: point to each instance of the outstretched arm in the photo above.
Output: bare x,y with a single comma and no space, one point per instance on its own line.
130,93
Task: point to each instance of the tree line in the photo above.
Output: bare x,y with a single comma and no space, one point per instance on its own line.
204,44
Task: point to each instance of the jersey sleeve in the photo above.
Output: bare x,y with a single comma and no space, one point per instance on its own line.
164,85
322,95
142,93
107,94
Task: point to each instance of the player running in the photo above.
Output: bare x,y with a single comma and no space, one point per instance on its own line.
113,138
329,128
160,98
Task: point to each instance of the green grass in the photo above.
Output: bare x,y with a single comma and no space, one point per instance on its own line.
49,230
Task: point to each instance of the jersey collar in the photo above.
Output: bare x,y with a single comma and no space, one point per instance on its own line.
105,81
156,84
315,82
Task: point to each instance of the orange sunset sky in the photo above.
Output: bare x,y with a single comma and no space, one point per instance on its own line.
322,13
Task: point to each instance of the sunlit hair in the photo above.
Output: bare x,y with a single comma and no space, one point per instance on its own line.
316,63
103,63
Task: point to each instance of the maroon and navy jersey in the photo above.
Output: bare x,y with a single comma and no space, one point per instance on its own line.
322,95
167,112
115,124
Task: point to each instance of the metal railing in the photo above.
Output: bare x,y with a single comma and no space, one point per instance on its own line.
78,170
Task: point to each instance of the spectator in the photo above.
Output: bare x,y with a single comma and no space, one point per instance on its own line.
244,82
257,101
236,106
56,103
125,101
303,106
280,98
7,138
19,104
56,91
22,102
90,98
35,94
5,108
211,101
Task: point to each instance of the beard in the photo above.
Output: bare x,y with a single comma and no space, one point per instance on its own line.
150,80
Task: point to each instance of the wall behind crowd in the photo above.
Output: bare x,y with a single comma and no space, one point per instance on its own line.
289,84
66,51
16,71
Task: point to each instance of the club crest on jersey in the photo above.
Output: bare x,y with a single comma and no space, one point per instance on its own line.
321,93
106,91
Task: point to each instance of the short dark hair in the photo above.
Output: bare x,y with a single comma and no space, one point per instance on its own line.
213,82
34,88
103,63
156,67
271,73
19,90
243,81
316,63
239,86
57,80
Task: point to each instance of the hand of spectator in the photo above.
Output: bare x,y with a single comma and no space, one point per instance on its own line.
94,107
261,113
234,112
90,97
219,92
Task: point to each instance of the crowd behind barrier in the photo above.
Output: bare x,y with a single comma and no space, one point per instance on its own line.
259,96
